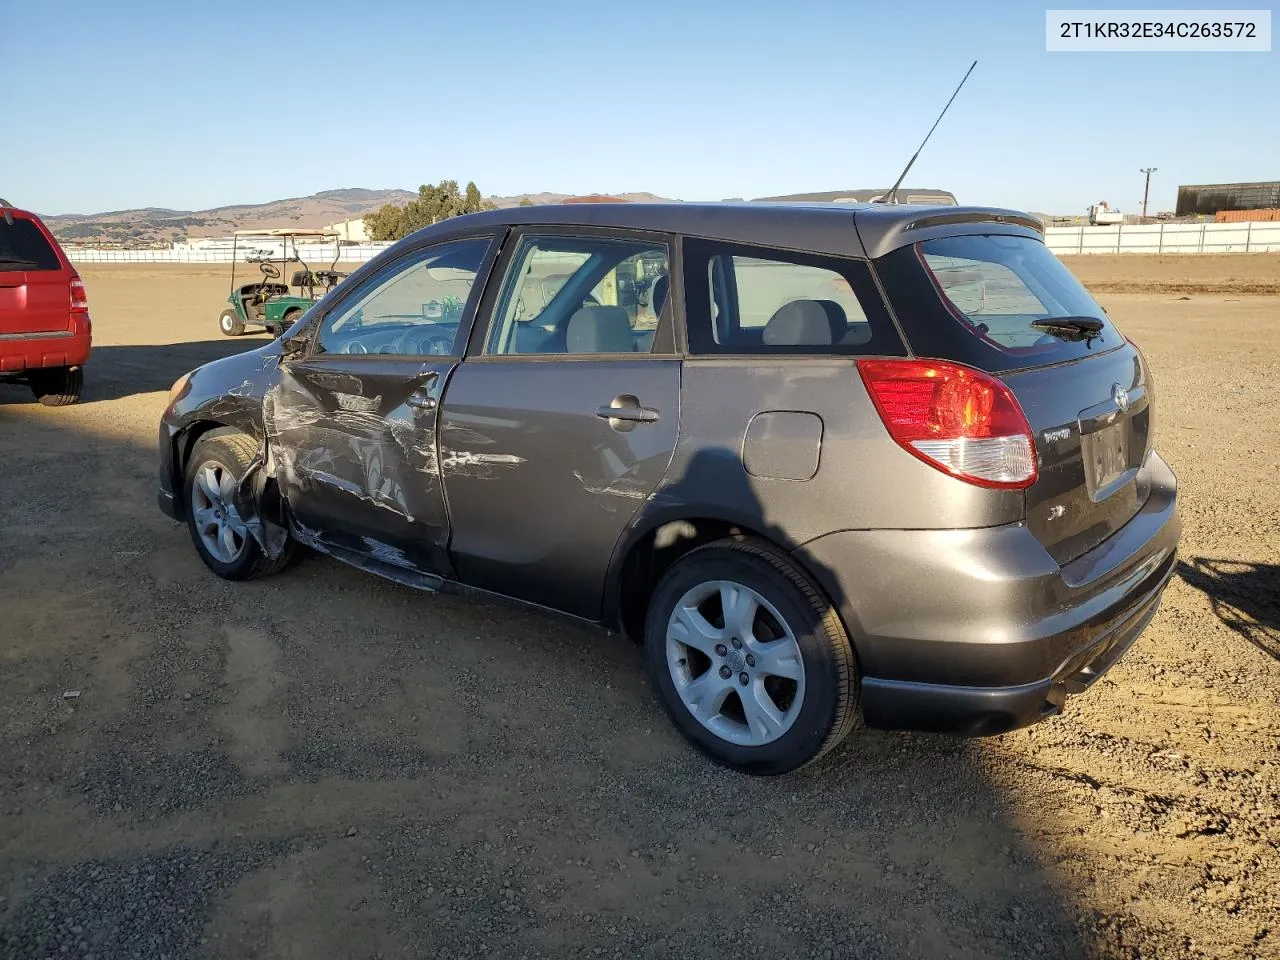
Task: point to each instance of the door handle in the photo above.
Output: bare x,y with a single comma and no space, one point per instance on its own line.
624,412
422,401
631,414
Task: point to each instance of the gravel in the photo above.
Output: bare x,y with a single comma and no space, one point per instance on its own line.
324,764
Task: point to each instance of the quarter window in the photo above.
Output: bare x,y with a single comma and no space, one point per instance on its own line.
581,295
414,310
748,300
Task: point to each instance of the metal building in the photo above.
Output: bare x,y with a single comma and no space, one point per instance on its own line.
1209,198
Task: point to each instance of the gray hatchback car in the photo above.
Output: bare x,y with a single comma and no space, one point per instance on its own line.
832,464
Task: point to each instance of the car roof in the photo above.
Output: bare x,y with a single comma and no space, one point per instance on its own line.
841,229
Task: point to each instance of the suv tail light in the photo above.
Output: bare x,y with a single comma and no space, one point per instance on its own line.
956,419
79,302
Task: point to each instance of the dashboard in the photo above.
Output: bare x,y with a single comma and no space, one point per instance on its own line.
411,339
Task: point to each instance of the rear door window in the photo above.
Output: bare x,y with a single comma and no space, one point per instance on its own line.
753,300
989,301
583,295
24,247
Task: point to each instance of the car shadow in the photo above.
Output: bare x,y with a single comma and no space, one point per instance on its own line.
1244,596
122,370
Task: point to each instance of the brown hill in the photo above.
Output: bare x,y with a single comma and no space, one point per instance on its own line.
158,226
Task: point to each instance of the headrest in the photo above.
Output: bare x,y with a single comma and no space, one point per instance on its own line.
599,330
802,323
658,298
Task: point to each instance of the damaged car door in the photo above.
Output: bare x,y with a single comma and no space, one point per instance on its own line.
351,426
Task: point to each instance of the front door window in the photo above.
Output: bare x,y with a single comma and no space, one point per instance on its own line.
414,311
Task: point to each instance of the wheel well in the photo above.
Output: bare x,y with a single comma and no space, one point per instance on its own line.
654,553
186,441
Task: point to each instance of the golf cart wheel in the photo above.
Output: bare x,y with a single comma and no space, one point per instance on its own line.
230,323
749,658
57,386
219,533
289,319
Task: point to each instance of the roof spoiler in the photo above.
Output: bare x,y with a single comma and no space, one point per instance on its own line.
942,219
7,207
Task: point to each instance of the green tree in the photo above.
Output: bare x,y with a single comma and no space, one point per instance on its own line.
526,202
433,204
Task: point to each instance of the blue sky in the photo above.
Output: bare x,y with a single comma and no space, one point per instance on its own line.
191,105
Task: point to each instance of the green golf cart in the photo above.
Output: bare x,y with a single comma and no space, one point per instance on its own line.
287,286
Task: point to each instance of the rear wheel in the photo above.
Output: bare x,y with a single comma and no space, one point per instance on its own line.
229,323
749,658
57,386
221,536
290,318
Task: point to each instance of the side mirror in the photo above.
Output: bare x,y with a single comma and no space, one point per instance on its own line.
294,346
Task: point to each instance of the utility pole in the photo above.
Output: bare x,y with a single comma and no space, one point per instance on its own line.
1146,189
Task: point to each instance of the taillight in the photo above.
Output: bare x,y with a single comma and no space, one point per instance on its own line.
957,419
79,302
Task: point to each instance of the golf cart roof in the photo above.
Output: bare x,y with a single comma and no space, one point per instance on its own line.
287,232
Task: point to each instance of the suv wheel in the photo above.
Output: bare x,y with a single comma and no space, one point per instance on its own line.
57,386
229,322
749,658
221,537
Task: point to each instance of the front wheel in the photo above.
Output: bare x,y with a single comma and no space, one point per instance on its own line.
229,323
749,658
57,386
221,536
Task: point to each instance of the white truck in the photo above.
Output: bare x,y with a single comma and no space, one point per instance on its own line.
1100,214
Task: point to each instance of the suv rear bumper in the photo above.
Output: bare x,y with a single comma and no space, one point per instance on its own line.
34,351
980,631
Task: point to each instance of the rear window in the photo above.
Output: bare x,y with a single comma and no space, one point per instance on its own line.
24,247
760,300
983,300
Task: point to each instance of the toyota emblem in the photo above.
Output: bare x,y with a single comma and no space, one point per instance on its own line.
1121,396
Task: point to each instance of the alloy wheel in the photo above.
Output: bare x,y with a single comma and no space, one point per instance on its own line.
735,663
222,532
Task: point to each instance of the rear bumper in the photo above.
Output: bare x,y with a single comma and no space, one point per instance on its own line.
980,631
35,351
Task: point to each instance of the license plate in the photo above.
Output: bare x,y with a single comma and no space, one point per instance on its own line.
1108,456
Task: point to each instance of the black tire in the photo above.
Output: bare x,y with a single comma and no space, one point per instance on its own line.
234,451
229,323
57,386
289,319
829,709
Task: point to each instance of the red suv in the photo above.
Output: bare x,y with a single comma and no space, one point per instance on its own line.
45,331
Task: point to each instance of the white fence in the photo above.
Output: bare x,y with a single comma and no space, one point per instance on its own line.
1259,237
314,254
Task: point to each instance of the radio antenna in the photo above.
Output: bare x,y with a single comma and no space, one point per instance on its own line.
892,195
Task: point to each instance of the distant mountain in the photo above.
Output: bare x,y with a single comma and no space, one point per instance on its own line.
157,225
150,226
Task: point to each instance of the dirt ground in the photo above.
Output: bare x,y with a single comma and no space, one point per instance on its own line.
324,764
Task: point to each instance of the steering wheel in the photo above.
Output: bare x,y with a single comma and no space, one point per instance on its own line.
425,341
269,270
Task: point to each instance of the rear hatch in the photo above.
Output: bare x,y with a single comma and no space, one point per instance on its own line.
1006,305
35,292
